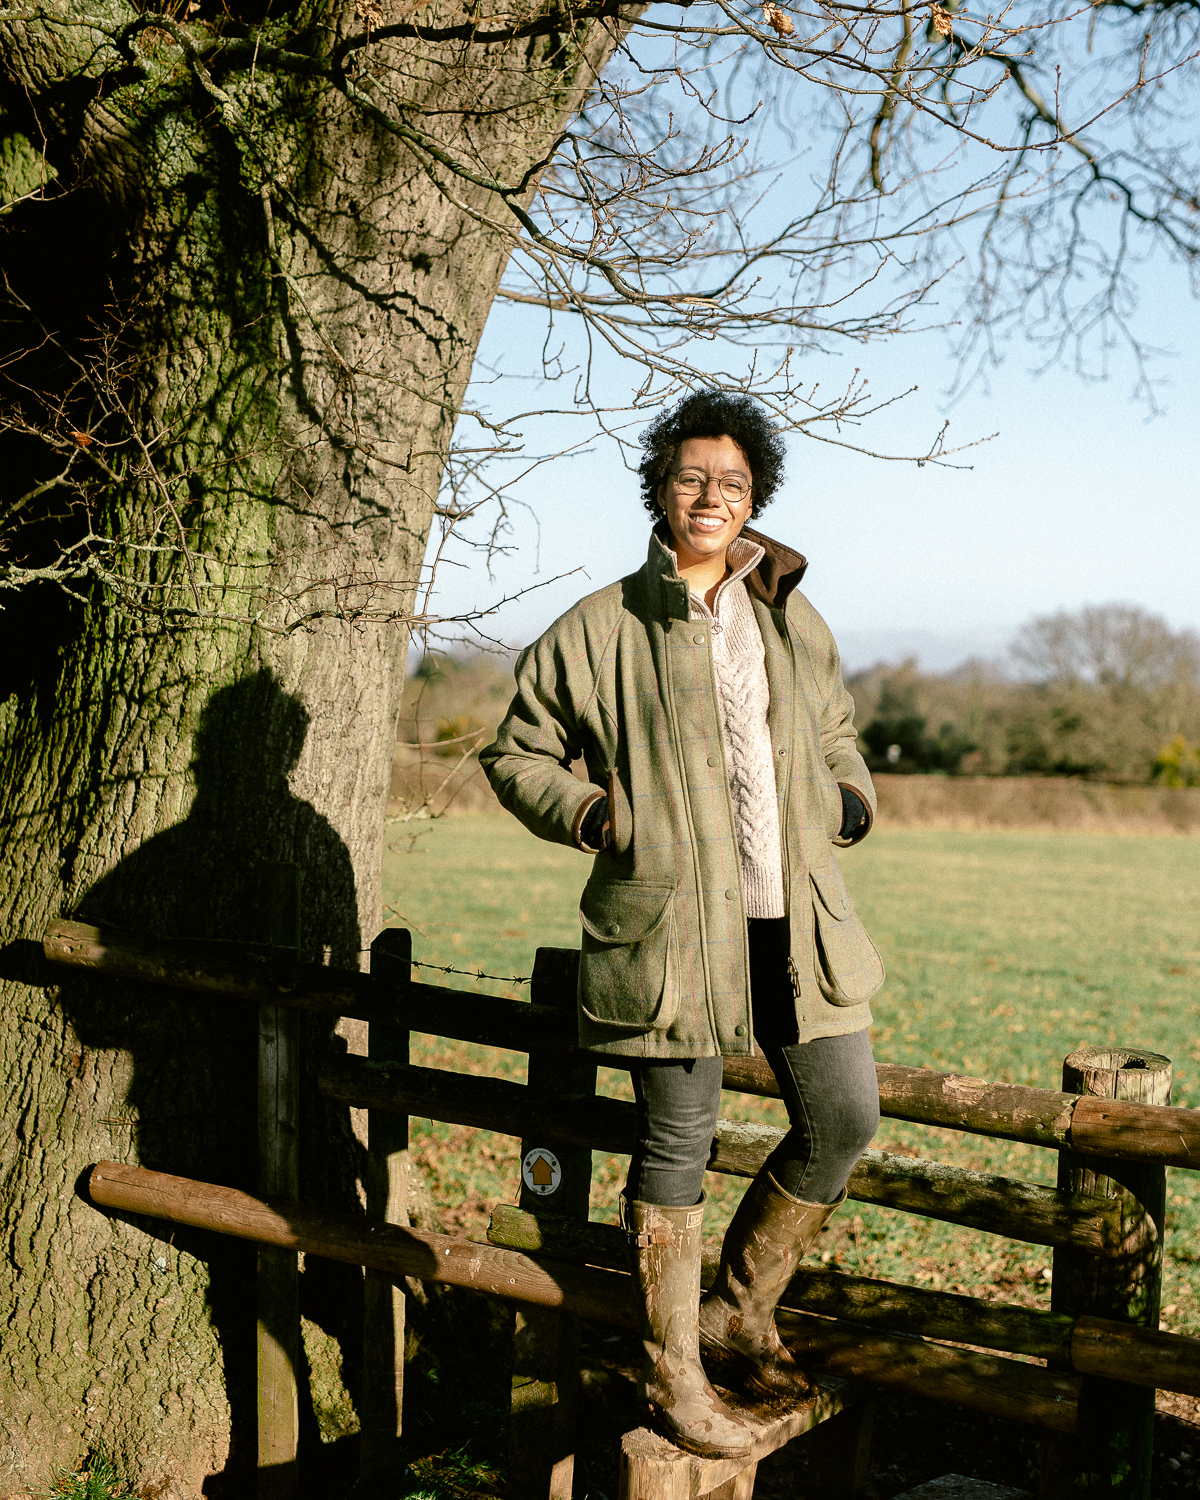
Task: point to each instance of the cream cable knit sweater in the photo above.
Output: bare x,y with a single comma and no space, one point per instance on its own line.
739,665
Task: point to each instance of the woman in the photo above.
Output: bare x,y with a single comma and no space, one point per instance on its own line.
705,696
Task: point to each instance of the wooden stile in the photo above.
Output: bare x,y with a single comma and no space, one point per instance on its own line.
1112,1123
983,1382
279,1176
382,1404
545,1376
1113,1452
654,1469
1003,1111
950,1316
979,1200
1140,1356
261,975
1094,1346
390,1248
1013,1112
1008,1111
856,1299
1132,1130
959,1377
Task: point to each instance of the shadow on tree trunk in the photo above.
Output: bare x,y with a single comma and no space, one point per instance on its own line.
189,1061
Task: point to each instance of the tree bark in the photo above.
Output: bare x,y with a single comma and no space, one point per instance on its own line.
288,313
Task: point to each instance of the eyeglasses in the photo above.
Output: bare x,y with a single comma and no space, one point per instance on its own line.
693,484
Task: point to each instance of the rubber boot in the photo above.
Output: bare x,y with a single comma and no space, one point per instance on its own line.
763,1245
664,1247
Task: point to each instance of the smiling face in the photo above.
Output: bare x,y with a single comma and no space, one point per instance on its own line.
703,525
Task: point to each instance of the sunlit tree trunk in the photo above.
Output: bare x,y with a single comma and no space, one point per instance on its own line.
279,307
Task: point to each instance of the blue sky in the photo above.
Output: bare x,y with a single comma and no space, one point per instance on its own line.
1081,498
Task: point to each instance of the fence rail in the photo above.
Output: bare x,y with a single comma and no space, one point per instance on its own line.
581,1268
1094,1346
976,1200
1160,1134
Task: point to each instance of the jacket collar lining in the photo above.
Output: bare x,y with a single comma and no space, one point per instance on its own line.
779,569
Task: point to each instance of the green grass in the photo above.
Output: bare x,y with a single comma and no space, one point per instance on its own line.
94,1479
451,1476
1005,951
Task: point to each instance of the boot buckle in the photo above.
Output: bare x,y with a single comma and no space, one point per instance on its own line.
662,1235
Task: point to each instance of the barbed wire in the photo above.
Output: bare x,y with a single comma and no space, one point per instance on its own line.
475,973
315,955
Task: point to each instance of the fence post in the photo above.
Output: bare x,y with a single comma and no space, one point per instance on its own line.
554,1179
382,1406
1113,1449
279,1177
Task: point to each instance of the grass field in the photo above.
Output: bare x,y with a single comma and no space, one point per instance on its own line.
1005,951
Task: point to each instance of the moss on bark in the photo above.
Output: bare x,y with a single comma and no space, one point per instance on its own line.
276,320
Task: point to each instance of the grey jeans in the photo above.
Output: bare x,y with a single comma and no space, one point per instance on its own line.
828,1086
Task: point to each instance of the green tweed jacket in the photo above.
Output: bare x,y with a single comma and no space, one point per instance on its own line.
625,680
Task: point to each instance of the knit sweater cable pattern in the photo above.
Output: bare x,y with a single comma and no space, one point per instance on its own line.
739,666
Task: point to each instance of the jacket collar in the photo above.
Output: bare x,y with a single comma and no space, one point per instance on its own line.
779,571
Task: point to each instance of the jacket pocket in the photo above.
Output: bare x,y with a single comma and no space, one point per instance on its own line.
833,804
629,963
848,966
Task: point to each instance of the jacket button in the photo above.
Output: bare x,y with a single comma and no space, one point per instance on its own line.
739,1031
712,760
699,639
731,895
783,752
614,928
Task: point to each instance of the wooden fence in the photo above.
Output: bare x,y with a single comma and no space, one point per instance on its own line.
1112,1127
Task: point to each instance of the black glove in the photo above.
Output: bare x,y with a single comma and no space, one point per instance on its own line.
854,813
593,831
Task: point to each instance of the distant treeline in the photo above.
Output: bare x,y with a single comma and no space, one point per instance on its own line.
1109,693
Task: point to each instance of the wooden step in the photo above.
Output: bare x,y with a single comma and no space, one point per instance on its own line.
652,1468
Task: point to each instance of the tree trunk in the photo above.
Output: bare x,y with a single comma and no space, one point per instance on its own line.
297,303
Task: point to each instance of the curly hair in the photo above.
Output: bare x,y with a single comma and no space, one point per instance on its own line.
712,414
